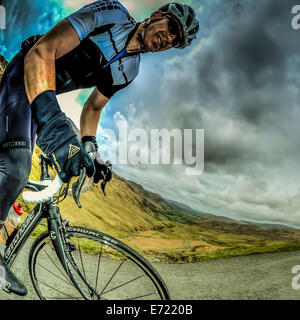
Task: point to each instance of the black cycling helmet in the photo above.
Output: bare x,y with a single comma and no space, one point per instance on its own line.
186,17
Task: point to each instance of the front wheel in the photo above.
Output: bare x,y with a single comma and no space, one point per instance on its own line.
101,267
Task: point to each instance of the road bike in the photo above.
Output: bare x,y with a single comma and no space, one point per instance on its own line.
74,262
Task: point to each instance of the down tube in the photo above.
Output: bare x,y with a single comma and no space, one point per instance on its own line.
23,234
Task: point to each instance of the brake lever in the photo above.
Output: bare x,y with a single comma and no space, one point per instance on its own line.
77,186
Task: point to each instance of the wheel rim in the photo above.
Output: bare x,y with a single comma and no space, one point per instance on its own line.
112,272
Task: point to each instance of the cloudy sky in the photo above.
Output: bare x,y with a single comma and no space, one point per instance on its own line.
239,81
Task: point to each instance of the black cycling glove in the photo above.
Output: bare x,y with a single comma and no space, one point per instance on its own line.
58,140
103,170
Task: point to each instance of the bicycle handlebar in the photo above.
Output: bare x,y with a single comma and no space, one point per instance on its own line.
77,189
44,195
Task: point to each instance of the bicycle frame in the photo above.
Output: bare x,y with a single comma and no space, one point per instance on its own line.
18,239
48,210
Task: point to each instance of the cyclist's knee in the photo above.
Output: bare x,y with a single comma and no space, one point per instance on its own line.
22,164
14,171
15,167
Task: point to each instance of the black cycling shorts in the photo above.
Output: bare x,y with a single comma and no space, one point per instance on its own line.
16,123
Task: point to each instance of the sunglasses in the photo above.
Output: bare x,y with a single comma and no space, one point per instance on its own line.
174,29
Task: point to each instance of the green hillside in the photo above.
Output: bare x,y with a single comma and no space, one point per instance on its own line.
163,231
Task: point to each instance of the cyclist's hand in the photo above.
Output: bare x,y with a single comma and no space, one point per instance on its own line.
103,170
57,139
70,157
90,145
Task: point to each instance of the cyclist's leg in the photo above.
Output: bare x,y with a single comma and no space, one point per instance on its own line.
17,132
15,167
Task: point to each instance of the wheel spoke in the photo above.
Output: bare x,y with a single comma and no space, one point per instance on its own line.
112,277
143,296
67,282
56,265
81,259
98,267
55,289
59,298
123,284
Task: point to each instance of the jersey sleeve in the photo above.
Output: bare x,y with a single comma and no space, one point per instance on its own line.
96,15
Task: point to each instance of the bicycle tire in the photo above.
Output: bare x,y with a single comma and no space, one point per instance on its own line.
129,258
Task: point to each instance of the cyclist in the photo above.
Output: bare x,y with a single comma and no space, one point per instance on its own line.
97,46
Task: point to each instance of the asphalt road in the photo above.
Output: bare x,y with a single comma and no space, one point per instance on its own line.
258,277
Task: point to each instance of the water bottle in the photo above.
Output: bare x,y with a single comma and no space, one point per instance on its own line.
12,221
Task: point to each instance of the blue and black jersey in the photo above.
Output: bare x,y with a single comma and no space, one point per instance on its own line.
104,28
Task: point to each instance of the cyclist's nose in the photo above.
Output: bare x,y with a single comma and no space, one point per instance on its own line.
169,38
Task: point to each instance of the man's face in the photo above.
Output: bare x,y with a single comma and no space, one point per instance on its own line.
158,36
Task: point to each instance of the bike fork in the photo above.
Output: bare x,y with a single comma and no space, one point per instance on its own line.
55,235
55,226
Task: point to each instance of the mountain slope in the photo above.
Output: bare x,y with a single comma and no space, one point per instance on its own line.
272,225
162,230
199,214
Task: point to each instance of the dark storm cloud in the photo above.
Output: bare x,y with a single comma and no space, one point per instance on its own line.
244,74
252,49
240,82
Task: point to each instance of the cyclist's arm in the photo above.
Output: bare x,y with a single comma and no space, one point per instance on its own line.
39,63
91,113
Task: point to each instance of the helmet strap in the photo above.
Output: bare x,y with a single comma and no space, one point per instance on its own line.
141,39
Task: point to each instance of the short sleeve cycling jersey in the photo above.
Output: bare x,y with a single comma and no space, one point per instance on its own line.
104,28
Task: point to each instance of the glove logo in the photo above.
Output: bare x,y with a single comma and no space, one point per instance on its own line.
73,150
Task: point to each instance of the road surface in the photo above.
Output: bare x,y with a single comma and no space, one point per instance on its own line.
263,276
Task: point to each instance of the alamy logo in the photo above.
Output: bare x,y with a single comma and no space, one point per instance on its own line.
2,18
296,18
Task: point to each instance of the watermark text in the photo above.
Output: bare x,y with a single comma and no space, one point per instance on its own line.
2,18
156,147
296,18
